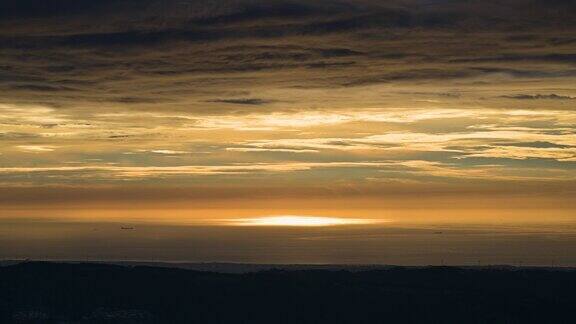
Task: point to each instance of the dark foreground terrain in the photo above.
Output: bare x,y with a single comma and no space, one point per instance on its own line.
40,292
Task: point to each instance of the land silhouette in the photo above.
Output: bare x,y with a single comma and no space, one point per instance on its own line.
52,292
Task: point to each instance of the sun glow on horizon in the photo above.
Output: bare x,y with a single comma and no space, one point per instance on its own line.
304,221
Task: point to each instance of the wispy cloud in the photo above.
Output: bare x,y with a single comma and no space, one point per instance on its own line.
146,171
36,148
327,92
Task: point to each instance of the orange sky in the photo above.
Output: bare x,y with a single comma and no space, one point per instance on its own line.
181,114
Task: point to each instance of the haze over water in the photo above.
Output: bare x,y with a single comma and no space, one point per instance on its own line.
402,237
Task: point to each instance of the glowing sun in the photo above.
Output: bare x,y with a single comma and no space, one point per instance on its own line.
292,220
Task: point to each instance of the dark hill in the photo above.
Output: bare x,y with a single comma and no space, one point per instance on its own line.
40,292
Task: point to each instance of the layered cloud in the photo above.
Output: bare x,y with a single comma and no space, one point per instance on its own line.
254,93
229,56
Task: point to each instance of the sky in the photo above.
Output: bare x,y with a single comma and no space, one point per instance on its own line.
189,114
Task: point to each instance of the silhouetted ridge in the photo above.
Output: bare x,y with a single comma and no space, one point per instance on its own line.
43,292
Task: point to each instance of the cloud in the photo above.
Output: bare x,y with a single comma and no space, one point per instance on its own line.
106,171
257,149
36,148
167,55
529,143
329,92
243,101
550,58
539,97
515,152
168,152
